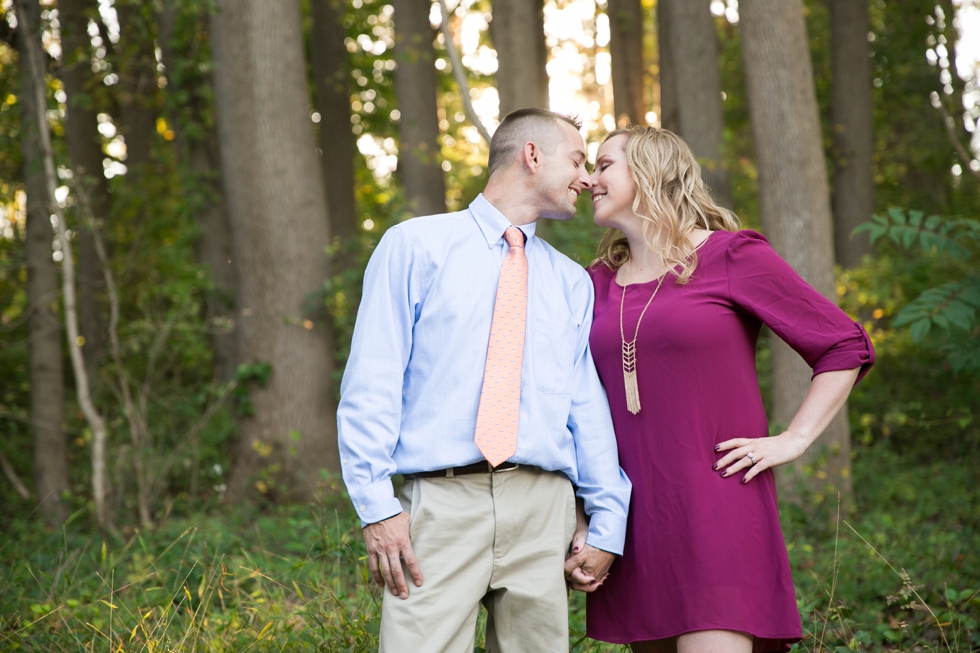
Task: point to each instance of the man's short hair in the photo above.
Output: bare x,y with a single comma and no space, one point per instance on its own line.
524,126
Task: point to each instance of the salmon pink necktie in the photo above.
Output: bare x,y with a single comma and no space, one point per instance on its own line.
500,400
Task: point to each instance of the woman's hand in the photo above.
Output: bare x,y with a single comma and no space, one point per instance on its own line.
827,394
768,452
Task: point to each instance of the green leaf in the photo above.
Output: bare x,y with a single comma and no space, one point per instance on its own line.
920,330
959,314
877,232
908,238
915,218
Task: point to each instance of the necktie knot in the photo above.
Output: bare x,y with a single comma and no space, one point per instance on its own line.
514,237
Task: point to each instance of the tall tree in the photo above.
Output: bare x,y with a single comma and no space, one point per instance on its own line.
626,50
337,144
517,30
179,28
853,127
278,215
697,85
419,163
85,153
669,117
44,323
137,93
794,200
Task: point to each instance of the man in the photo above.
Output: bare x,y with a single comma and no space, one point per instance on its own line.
470,374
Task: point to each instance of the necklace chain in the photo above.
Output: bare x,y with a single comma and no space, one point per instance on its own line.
629,348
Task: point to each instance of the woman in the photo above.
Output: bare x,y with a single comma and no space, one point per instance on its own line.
679,304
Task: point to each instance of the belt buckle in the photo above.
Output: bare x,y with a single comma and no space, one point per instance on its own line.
503,471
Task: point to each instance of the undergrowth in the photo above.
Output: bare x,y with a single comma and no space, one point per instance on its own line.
901,574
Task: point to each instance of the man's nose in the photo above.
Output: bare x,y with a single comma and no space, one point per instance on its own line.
585,179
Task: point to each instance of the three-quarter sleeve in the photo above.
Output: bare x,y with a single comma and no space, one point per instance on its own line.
763,285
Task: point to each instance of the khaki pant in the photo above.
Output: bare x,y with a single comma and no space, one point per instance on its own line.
497,538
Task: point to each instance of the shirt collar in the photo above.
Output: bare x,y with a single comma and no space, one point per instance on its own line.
493,223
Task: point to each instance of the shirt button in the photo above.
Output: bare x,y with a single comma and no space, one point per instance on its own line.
362,507
343,461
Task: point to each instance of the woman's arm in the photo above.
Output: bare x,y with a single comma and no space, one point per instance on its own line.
827,394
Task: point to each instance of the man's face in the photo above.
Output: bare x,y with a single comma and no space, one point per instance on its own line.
562,175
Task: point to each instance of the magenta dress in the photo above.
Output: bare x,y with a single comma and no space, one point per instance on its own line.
705,552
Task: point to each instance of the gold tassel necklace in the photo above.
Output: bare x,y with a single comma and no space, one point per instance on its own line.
629,348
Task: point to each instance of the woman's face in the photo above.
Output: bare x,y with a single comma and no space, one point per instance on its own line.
613,189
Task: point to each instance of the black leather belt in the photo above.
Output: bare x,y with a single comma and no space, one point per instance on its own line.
481,467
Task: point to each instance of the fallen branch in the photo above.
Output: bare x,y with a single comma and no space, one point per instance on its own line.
460,73
8,471
35,60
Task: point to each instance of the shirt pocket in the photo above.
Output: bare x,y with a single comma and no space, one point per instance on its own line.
554,355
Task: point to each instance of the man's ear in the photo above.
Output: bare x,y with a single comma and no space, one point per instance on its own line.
531,157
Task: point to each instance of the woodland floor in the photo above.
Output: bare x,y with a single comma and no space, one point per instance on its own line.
901,573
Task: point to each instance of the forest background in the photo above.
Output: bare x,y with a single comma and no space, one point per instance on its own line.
190,190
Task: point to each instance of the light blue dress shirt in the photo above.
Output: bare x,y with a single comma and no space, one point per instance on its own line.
412,383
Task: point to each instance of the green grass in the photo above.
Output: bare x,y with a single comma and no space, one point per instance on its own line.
900,574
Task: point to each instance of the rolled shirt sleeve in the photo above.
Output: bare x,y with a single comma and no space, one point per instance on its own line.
767,287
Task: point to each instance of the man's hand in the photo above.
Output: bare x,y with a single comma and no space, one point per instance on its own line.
587,569
388,543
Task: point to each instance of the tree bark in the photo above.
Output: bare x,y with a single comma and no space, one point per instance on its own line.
853,126
795,206
517,30
32,57
278,214
85,153
44,323
626,50
419,160
202,181
669,116
137,86
337,144
697,82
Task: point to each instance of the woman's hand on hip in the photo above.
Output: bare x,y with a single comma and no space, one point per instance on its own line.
759,454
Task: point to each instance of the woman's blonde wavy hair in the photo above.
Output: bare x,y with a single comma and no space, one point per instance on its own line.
671,198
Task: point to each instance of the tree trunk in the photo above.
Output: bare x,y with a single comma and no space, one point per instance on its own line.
44,323
626,50
697,82
278,215
419,160
795,206
85,153
517,30
137,83
669,116
337,144
853,125
202,164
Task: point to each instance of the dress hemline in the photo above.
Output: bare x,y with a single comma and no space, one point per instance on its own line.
781,642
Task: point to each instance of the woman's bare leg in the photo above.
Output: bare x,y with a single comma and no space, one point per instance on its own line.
714,641
668,645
